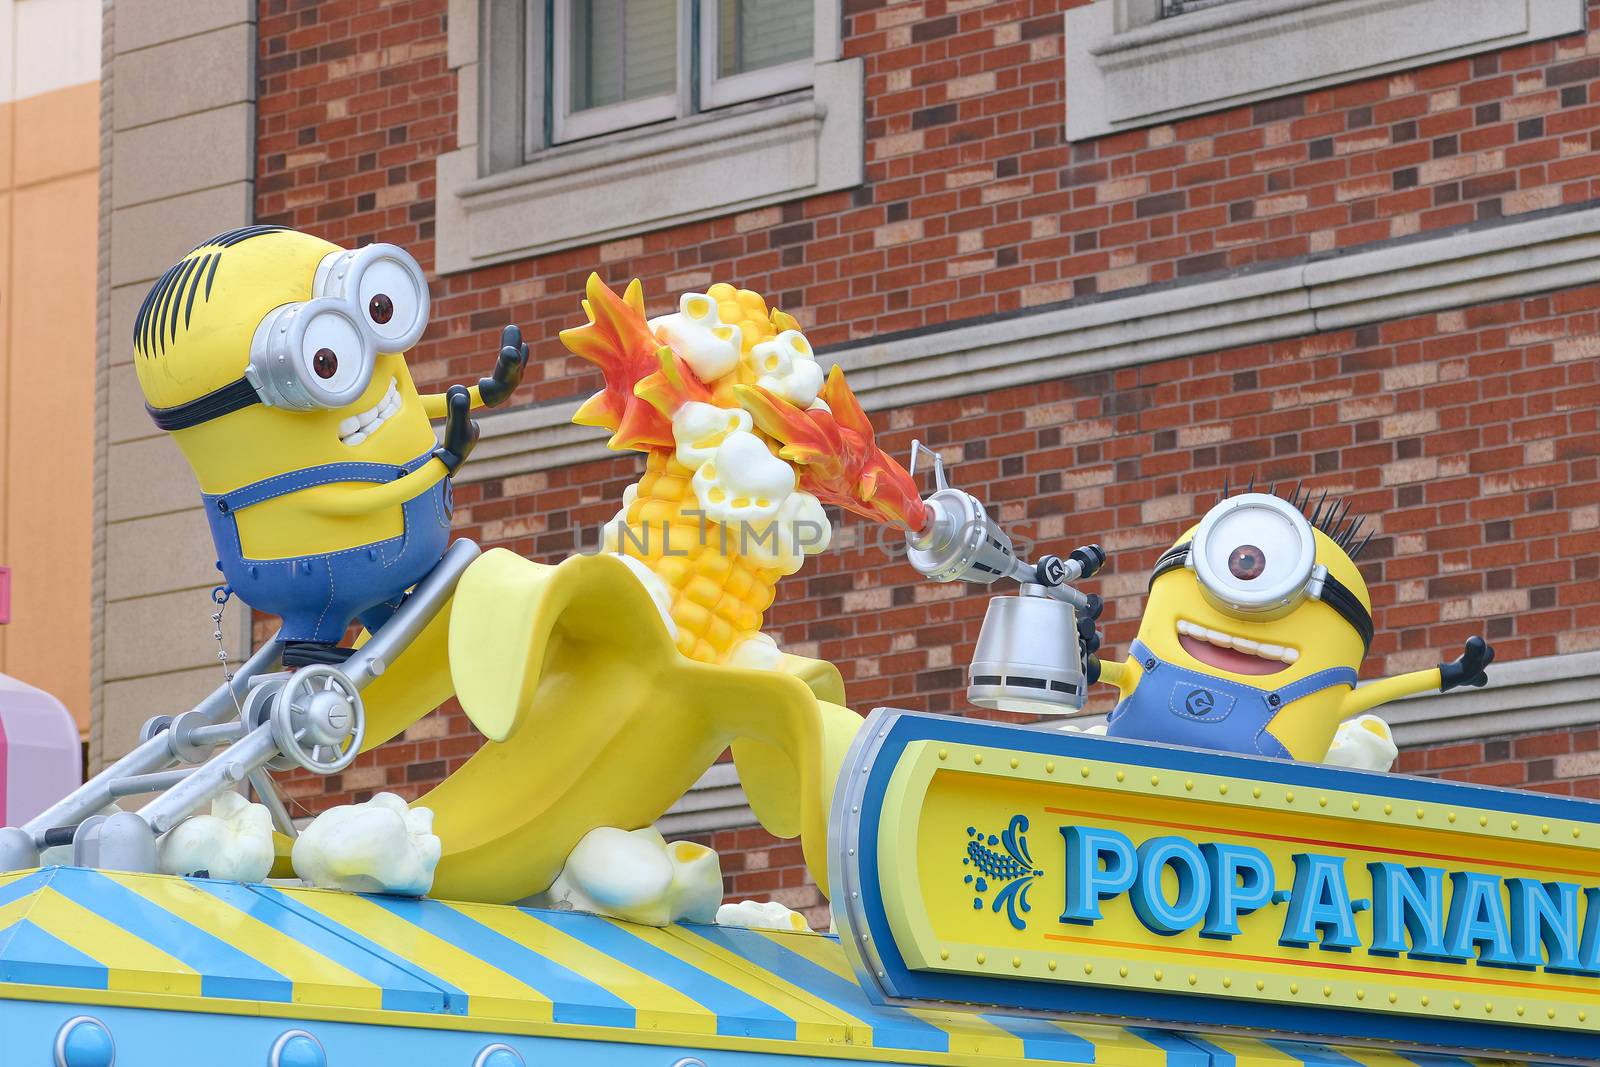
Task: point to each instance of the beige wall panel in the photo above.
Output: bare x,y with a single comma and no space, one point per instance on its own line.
142,23
125,301
147,239
128,703
129,421
50,435
148,477
160,554
58,134
181,78
194,152
156,634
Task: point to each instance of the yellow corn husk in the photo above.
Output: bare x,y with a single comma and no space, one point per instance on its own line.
718,595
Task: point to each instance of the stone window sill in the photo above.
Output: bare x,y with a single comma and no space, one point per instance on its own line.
1139,75
711,164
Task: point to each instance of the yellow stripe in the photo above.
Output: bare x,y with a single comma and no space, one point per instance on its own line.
130,963
968,1033
313,976
490,991
1248,1052
656,1005
1115,1046
822,1025
16,911
1377,1057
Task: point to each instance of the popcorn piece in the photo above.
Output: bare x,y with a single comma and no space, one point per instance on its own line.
1096,730
699,336
758,653
638,877
755,915
743,483
233,843
801,528
699,429
381,846
786,366
658,589
611,532
1364,743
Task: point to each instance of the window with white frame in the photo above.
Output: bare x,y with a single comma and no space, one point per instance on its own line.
613,65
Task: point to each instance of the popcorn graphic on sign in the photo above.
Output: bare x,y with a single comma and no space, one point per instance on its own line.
1008,874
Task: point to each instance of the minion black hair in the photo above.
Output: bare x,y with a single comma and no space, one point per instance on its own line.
174,291
1336,521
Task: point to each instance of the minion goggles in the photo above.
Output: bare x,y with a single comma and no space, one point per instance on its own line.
320,353
1255,555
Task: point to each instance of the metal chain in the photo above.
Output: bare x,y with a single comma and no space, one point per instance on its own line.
220,596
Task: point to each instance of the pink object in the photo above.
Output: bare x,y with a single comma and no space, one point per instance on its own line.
41,760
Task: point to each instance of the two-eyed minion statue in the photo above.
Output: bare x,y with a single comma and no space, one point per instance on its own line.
1256,624
276,360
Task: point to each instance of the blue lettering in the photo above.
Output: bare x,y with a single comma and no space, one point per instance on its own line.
1407,902
1477,919
1088,882
1589,950
1194,885
1319,905
1241,882
1544,915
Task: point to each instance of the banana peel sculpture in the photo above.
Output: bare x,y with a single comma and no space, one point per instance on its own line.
606,685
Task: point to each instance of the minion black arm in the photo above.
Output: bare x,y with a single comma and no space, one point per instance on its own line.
491,391
1470,668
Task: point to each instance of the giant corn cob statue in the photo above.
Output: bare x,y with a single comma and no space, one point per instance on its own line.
744,443
607,684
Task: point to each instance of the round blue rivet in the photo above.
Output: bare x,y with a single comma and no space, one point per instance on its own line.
84,1041
296,1048
498,1055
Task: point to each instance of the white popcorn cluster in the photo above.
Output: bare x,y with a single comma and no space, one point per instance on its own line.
636,876
699,336
757,653
382,846
233,842
788,368
1364,743
756,915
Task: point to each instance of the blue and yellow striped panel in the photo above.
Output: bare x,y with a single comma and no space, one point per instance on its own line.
150,941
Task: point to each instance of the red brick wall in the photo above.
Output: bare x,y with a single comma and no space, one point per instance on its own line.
1470,436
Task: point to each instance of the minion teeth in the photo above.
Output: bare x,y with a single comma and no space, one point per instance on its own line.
357,428
1219,639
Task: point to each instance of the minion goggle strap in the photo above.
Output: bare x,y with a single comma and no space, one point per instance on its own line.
1254,555
320,353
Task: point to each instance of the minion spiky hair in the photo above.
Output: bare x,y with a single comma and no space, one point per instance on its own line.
1336,521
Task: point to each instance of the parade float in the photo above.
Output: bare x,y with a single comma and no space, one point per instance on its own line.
1224,874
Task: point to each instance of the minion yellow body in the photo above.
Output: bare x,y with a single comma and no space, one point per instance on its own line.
264,352
1217,666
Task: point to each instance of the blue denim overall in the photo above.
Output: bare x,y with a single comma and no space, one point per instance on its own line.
1177,706
317,595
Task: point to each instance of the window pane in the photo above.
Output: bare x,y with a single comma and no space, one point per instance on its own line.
623,50
752,34
1183,7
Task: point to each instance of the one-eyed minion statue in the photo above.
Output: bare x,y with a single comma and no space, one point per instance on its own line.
275,359
1256,624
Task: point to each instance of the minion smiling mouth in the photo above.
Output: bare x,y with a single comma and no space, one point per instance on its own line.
1239,655
358,428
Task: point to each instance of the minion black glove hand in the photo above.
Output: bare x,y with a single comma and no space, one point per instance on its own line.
1469,668
1089,638
507,369
460,431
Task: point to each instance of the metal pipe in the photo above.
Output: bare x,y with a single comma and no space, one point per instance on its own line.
226,768
267,793
420,608
154,754
220,734
135,784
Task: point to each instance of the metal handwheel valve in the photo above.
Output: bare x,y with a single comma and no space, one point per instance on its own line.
318,721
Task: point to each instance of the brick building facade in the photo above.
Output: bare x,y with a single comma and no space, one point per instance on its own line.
1384,282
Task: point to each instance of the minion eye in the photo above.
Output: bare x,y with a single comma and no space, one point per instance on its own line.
390,299
384,287
1254,552
331,350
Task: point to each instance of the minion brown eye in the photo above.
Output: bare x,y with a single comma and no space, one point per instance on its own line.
325,363
381,308
1247,562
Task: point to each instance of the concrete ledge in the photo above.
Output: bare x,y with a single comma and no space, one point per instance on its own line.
595,191
1336,292
1143,74
1523,696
